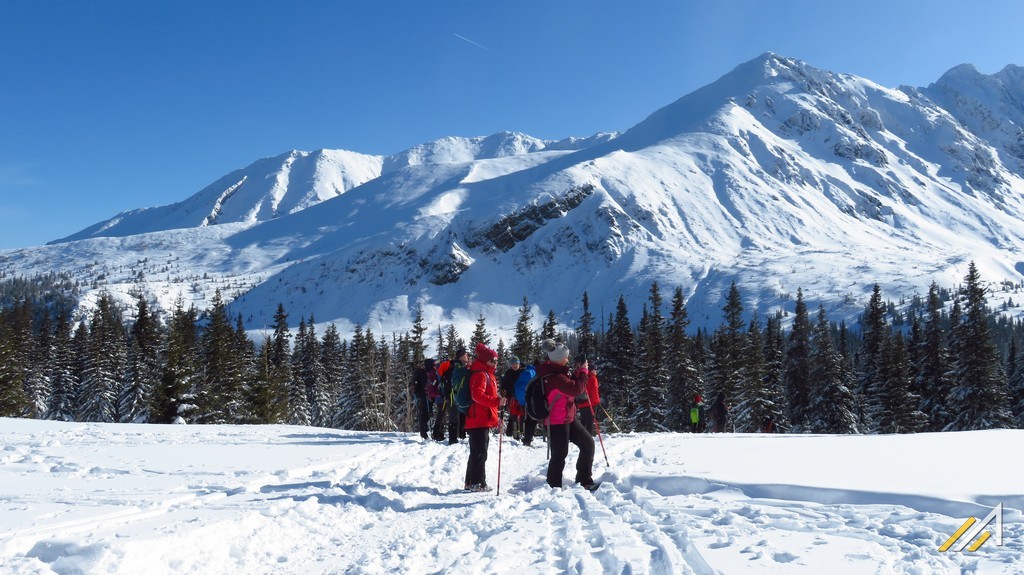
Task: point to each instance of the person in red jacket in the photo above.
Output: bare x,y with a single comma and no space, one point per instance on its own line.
482,415
563,427
588,402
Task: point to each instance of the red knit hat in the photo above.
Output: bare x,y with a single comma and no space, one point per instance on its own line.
485,353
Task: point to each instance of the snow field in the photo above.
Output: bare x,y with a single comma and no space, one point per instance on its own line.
102,498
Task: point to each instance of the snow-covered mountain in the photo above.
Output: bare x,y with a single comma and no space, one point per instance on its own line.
778,176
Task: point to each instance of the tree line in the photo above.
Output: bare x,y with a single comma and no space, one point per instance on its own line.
922,369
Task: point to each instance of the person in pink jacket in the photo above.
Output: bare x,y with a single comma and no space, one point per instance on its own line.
482,415
563,427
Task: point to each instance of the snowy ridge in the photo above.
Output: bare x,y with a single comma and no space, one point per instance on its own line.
192,500
778,176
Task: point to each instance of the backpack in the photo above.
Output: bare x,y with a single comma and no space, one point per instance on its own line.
520,386
536,404
433,389
460,388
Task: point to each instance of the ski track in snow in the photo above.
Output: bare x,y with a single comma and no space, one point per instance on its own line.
88,498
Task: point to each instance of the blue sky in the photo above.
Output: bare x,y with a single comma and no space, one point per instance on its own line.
111,105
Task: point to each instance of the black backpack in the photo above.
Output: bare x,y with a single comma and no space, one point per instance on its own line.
536,406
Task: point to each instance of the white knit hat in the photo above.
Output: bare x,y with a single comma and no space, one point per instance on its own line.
555,350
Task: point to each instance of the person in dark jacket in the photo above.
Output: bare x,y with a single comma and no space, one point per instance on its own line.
563,427
508,391
419,393
482,415
720,413
456,419
434,397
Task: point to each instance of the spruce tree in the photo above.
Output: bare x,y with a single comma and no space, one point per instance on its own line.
267,395
419,345
649,395
14,363
774,369
797,368
248,365
298,395
898,413
550,328
979,395
332,356
480,334
37,379
314,378
63,374
523,343
619,374
144,363
730,347
933,369
684,378
875,331
173,398
218,394
587,346
105,364
754,400
351,406
832,402
1016,384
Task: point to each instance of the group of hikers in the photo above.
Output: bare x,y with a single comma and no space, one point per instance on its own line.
467,396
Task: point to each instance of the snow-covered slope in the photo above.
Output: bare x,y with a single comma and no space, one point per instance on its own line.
189,500
778,176
267,189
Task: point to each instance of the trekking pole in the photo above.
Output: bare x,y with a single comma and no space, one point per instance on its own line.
501,432
611,419
601,439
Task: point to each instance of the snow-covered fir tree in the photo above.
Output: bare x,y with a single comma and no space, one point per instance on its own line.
480,333
832,402
14,362
899,412
684,378
173,397
298,395
797,368
63,400
978,399
875,331
619,373
219,394
933,366
105,364
649,394
144,363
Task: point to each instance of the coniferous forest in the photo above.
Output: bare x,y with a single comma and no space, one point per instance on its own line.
946,362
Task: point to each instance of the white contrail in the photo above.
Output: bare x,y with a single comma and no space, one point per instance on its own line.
477,44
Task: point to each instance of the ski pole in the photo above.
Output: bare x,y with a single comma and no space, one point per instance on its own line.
601,439
501,432
611,419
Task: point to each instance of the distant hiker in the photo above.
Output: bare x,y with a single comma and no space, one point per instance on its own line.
696,414
529,424
563,428
482,415
588,402
455,378
720,413
508,391
767,424
418,387
434,397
